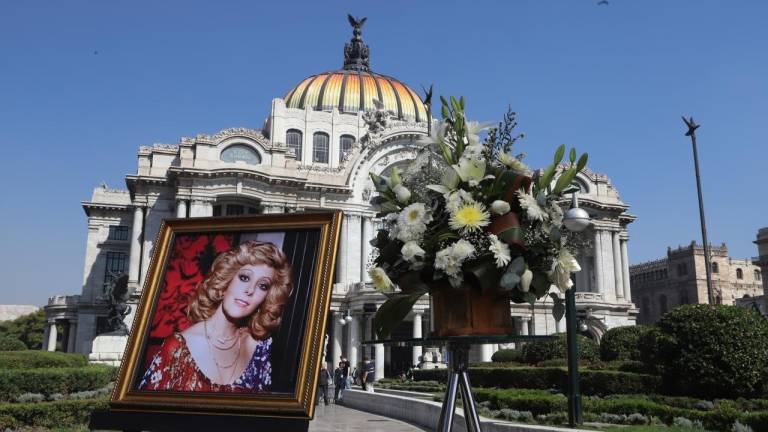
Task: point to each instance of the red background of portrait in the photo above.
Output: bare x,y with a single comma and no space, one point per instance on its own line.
189,262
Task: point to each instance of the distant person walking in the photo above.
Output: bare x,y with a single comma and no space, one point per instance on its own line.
369,374
339,382
323,380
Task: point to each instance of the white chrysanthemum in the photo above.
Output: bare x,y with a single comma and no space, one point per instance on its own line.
555,213
470,216
531,207
564,265
500,207
415,213
500,251
402,193
380,280
411,250
445,261
455,199
462,250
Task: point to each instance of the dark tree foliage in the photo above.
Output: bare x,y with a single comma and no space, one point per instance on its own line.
556,348
501,138
27,328
710,351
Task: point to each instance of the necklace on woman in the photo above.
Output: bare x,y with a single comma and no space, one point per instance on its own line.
220,366
220,342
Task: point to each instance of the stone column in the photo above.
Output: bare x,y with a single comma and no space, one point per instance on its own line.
337,334
486,351
417,350
341,259
598,263
367,330
72,339
135,257
524,321
366,248
52,335
46,332
352,341
354,250
625,271
379,362
617,270
181,208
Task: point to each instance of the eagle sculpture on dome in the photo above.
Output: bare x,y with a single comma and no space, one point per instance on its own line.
357,24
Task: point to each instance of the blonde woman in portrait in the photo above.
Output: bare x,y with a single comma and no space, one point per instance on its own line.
234,312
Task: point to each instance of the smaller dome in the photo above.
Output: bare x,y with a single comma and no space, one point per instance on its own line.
352,91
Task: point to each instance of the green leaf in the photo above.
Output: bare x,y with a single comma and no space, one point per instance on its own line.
582,162
411,283
559,154
392,312
558,310
509,281
455,105
564,180
546,178
461,102
484,274
572,156
540,284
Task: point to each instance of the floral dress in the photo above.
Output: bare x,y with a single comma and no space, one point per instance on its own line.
173,368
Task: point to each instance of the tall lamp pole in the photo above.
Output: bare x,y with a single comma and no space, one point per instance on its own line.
575,219
692,126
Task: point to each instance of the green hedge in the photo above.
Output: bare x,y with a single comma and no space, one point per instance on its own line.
10,343
50,414
593,382
40,359
710,351
555,348
621,343
722,417
507,356
14,382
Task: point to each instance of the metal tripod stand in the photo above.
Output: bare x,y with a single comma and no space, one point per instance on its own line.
458,379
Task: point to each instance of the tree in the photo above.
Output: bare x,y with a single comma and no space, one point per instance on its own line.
27,328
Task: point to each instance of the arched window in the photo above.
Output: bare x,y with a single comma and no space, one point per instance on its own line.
293,139
241,153
320,147
715,268
345,145
662,304
758,276
739,274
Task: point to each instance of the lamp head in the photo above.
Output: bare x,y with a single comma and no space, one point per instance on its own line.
583,326
576,219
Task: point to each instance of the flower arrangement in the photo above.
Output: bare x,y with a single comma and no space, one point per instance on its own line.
468,212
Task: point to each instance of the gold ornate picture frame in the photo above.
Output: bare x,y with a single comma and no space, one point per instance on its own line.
205,340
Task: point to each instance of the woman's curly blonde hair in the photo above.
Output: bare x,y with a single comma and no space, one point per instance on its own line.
210,292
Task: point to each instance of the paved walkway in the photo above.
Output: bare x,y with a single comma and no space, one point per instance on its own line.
337,418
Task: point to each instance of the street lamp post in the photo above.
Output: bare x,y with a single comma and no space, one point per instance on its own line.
575,219
692,126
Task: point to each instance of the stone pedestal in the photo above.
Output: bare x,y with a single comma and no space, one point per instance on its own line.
108,349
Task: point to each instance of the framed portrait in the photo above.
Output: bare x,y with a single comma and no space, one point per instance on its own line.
232,317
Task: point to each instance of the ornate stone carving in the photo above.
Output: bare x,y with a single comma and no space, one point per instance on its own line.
377,122
116,297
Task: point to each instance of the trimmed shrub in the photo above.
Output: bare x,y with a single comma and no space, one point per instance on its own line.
10,343
51,414
710,351
621,343
15,382
539,351
593,382
507,356
40,359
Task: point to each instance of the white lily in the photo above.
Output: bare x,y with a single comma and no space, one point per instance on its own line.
473,131
402,193
380,280
564,265
525,280
471,171
411,250
513,163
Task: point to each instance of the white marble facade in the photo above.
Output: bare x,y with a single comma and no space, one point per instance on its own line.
199,177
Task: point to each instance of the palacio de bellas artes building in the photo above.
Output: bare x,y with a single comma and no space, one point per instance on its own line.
315,151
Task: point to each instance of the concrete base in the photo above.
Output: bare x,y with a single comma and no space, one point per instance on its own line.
108,349
427,413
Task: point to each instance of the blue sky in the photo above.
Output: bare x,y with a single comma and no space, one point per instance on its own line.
83,84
